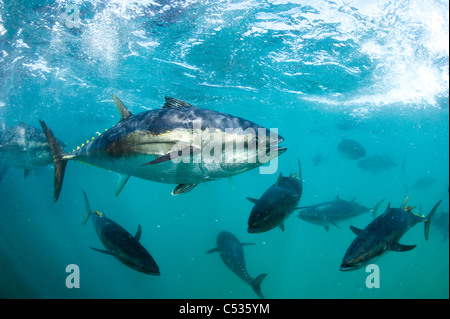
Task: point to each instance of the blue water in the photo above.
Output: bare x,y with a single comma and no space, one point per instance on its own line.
318,71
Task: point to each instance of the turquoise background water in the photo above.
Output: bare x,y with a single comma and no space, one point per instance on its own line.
318,71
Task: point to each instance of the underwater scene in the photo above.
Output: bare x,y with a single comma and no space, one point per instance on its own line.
196,149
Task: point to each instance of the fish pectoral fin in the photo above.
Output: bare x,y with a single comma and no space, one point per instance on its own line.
247,244
214,250
400,247
334,223
183,188
138,233
108,252
253,200
123,179
355,230
327,228
88,208
188,150
282,227
26,173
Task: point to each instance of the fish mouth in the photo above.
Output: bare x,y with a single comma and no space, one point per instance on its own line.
256,229
349,267
274,147
281,150
346,268
253,230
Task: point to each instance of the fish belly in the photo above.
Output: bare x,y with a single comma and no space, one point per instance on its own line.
166,172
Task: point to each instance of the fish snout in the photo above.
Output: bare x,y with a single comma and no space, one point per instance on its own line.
349,265
345,267
254,230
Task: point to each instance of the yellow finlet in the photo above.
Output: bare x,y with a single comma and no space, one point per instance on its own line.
404,203
98,213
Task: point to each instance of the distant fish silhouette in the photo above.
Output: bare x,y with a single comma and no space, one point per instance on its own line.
331,212
121,244
440,223
378,163
319,159
24,147
232,254
351,149
423,183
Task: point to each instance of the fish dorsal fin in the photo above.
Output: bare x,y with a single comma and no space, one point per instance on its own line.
253,200
174,103
138,233
280,179
124,112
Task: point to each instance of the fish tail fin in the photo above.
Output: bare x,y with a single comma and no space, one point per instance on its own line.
88,209
256,285
429,218
58,159
375,208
